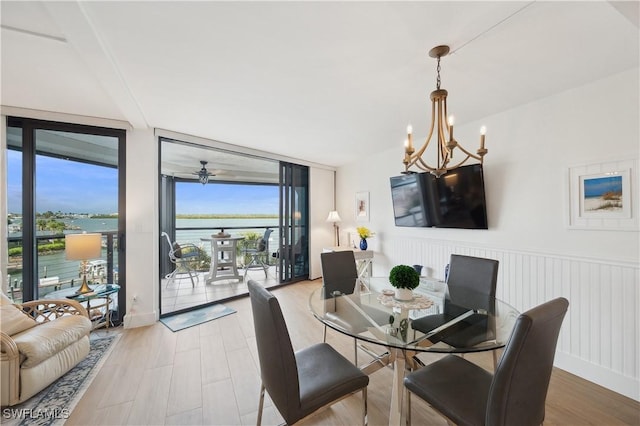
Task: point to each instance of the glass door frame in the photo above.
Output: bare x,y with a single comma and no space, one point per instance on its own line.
29,128
294,223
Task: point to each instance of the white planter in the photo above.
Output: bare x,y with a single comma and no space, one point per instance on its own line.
404,294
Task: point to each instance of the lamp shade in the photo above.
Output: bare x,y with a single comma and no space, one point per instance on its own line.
333,217
83,246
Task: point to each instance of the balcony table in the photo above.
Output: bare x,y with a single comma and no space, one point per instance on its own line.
223,259
360,314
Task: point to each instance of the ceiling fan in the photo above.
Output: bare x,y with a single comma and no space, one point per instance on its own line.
203,174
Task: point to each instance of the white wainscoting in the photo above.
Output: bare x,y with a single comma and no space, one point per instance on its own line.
600,337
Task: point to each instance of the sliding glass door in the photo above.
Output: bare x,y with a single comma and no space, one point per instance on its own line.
63,179
294,222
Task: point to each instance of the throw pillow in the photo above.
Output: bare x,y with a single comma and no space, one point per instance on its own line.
13,320
262,244
177,250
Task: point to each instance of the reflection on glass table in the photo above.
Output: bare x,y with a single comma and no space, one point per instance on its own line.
376,317
101,303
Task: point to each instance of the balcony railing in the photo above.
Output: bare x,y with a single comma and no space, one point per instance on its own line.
54,271
194,235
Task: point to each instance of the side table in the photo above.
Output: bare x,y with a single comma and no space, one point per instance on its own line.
97,300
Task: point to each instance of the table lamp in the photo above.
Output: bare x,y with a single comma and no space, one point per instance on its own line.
334,217
83,247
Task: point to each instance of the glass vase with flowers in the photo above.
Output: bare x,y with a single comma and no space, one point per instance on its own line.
364,233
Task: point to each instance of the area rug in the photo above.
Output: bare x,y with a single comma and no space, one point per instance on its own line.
54,404
199,316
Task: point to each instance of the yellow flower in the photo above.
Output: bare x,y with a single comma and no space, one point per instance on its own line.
364,232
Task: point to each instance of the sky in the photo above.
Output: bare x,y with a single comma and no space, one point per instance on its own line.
598,186
195,198
72,187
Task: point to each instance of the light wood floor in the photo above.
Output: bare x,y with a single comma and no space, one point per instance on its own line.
209,375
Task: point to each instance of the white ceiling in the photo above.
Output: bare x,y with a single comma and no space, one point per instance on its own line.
317,81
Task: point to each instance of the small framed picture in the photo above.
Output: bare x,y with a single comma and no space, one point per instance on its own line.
362,206
600,196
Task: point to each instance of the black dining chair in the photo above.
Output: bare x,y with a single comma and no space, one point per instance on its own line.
472,285
300,382
515,394
340,277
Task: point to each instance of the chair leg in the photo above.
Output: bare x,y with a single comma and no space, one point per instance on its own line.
355,352
408,407
260,404
365,419
170,278
495,359
324,335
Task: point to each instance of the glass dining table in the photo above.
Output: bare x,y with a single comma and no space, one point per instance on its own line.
437,319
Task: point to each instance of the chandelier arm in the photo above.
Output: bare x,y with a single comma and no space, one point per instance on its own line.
443,151
460,163
424,146
469,154
420,163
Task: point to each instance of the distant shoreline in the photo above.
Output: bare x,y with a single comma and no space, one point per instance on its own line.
227,216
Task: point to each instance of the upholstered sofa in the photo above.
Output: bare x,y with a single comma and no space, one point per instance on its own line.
40,341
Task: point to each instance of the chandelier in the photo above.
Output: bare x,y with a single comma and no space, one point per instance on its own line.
444,133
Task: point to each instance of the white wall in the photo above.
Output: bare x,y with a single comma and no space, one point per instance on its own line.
143,236
526,169
321,203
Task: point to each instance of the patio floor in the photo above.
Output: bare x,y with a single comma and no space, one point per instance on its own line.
180,294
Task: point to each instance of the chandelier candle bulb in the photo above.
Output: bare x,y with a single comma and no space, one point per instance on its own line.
483,131
451,120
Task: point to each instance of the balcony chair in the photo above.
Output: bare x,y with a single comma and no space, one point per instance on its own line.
301,382
183,257
294,256
515,394
471,284
258,254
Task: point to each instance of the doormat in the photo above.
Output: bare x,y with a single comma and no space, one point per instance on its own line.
199,316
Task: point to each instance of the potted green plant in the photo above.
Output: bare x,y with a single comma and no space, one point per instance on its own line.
404,278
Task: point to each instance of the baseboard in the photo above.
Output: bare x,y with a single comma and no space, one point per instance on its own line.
133,320
612,380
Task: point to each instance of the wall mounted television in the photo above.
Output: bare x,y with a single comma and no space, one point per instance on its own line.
408,198
455,200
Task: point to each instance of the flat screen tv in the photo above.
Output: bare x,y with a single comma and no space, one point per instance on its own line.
455,200
461,198
408,196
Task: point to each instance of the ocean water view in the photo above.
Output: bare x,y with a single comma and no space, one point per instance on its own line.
55,265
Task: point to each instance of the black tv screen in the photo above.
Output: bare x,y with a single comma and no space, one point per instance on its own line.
461,199
455,200
408,197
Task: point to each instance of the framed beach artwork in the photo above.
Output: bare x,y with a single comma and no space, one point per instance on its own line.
362,206
600,196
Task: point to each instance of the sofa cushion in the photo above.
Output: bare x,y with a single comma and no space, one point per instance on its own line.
47,339
4,300
13,320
